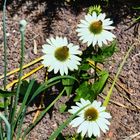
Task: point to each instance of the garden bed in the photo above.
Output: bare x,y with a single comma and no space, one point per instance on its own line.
58,18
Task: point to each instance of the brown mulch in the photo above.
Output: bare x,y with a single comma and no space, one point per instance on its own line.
51,18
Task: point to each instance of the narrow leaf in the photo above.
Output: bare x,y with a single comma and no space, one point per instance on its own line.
84,91
97,87
68,84
105,52
5,94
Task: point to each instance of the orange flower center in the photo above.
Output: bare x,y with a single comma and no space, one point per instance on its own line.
62,53
96,27
91,114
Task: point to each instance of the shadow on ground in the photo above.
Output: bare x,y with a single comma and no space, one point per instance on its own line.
116,9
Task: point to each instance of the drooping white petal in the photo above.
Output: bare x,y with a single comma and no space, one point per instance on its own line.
90,129
94,42
109,27
83,128
96,104
109,35
85,102
107,22
90,40
95,129
88,18
77,121
62,70
84,22
105,115
94,16
79,104
103,120
82,25
101,109
102,126
56,69
74,109
101,16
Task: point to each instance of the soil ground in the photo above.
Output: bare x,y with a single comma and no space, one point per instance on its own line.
51,18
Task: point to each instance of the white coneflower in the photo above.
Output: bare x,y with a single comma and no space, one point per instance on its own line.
60,55
91,119
94,29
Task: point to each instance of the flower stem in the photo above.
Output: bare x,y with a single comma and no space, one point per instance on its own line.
95,70
1,130
107,99
19,77
5,66
5,55
7,125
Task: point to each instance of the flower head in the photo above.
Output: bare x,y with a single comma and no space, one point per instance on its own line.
94,29
91,119
22,25
96,8
60,55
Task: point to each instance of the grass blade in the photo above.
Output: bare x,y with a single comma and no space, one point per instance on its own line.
48,84
7,125
22,29
116,77
24,103
41,115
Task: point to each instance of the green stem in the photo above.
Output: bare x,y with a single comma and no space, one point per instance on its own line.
1,130
116,77
19,77
22,107
11,108
95,70
20,125
5,55
5,65
5,44
7,125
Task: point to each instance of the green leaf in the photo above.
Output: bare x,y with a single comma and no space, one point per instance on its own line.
32,125
105,52
62,108
98,86
60,78
49,83
68,84
60,137
6,94
29,89
1,104
24,86
90,91
84,91
8,126
137,8
84,67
